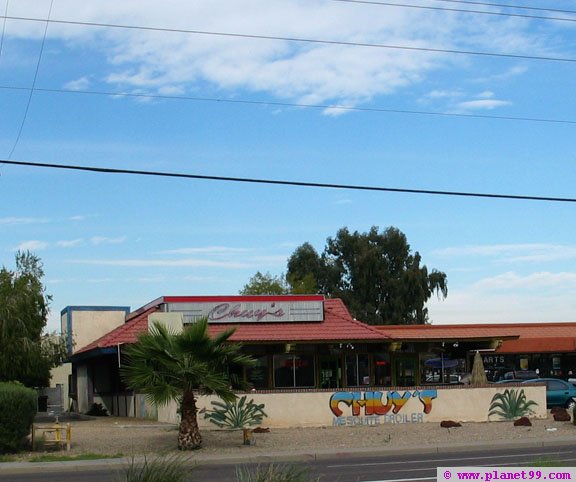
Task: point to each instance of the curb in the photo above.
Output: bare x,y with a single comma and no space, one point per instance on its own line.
304,456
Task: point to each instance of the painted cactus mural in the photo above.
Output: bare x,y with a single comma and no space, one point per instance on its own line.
511,405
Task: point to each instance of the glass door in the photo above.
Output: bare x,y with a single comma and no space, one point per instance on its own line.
330,372
405,370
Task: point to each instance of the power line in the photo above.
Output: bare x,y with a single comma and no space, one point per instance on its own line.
519,7
4,27
459,10
290,104
298,39
29,101
106,170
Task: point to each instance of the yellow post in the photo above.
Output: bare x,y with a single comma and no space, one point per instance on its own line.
68,436
57,434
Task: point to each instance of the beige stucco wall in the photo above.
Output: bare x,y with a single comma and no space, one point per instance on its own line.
313,409
59,377
88,326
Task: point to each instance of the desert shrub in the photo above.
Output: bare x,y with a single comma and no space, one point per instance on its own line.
171,468
97,410
17,410
272,473
237,414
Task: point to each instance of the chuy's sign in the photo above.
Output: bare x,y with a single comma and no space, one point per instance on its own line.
235,311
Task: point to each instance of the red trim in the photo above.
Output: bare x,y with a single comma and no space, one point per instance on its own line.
239,299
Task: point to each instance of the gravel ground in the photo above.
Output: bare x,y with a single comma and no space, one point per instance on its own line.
126,436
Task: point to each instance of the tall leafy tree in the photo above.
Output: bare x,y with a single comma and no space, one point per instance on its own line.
26,354
375,273
169,366
265,284
305,270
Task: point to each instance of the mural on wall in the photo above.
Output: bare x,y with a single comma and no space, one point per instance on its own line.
372,408
511,404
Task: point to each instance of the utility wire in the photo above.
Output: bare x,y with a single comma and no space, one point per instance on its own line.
290,104
519,7
459,10
106,170
4,27
297,39
33,82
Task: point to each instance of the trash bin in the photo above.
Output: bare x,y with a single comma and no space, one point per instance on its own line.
43,403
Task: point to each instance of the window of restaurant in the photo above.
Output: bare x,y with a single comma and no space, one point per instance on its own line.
357,370
291,371
382,370
257,375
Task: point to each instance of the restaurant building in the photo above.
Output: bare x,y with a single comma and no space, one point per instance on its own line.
304,346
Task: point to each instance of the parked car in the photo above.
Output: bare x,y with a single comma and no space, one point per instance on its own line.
496,374
559,393
520,375
510,380
453,378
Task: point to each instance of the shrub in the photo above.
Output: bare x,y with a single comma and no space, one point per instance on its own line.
97,410
18,406
272,473
237,414
171,468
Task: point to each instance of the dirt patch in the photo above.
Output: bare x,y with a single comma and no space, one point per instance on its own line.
128,436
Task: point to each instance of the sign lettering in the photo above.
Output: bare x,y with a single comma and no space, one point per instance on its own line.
227,310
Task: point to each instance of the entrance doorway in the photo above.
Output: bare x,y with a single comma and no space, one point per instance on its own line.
330,372
405,370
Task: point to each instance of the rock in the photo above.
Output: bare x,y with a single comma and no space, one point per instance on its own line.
523,422
261,430
560,414
449,424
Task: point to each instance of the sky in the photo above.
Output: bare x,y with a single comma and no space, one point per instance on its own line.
417,95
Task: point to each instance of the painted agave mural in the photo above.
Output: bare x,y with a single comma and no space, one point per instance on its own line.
511,404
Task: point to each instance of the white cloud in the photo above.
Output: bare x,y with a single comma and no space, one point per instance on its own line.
512,253
83,83
98,240
7,221
32,245
539,281
139,263
487,94
205,250
482,104
443,94
509,297
175,63
72,243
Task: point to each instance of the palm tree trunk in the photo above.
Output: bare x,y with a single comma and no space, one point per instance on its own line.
189,437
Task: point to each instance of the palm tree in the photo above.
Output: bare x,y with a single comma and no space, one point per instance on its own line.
170,366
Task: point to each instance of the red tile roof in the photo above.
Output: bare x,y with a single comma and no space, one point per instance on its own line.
447,332
338,325
545,344
522,337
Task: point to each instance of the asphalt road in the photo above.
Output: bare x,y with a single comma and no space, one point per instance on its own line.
337,468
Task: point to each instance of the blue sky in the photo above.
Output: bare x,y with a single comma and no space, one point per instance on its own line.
125,240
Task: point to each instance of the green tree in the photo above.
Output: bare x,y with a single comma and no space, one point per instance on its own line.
26,355
265,284
374,273
305,270
169,366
